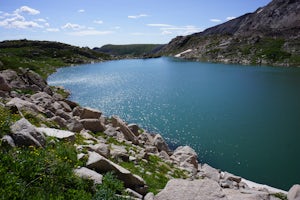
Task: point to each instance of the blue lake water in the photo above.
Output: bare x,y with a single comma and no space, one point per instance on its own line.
242,119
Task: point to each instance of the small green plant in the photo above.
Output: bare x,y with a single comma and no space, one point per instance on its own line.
280,196
6,120
41,173
110,188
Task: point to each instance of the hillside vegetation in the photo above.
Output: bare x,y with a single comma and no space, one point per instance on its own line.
131,50
268,36
44,57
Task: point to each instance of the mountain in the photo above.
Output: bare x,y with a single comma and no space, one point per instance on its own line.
130,50
44,56
268,36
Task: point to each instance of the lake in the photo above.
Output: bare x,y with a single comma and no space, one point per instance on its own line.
241,119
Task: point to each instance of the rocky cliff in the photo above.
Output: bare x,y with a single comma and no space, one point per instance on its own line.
268,36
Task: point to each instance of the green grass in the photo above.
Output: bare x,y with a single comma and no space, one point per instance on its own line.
41,173
6,120
154,172
44,57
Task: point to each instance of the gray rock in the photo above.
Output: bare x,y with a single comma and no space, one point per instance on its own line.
230,177
63,114
119,152
93,125
134,194
8,140
34,79
59,134
294,193
72,104
210,172
128,134
4,86
134,128
86,173
178,189
103,165
160,143
185,154
13,79
21,104
102,149
111,131
149,196
146,137
233,194
164,155
75,126
151,149
77,111
65,106
60,121
25,134
89,113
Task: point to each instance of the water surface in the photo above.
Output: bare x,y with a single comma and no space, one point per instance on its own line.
242,119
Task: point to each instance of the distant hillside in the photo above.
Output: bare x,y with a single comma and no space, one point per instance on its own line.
131,50
44,56
268,36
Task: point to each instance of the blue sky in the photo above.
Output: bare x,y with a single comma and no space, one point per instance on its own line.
94,23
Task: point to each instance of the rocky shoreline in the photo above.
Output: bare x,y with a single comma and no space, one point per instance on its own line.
110,144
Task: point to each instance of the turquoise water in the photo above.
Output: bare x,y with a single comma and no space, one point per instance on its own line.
242,119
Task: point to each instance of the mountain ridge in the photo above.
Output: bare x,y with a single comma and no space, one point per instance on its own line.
268,36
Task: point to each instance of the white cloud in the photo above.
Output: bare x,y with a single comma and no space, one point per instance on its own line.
18,21
52,29
137,16
117,27
72,26
81,11
230,18
40,20
28,10
215,20
90,32
46,24
159,25
167,29
98,21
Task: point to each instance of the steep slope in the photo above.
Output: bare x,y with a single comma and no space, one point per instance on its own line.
270,35
44,56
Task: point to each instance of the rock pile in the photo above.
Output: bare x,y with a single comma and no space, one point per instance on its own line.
107,142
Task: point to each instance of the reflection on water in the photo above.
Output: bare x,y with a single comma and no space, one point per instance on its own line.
241,119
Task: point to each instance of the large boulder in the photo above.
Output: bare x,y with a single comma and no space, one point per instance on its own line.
25,134
294,193
128,134
89,113
86,173
7,140
33,78
233,194
4,86
102,165
186,158
210,172
102,149
160,143
13,79
59,134
74,125
24,105
119,152
178,189
93,125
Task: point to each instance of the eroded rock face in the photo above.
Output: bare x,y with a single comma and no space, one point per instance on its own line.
186,157
178,189
4,86
128,134
93,125
89,113
160,143
102,165
294,193
86,173
59,134
25,134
